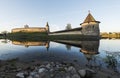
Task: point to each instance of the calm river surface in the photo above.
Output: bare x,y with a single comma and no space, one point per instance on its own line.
103,54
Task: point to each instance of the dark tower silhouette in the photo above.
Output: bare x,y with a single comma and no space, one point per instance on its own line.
47,27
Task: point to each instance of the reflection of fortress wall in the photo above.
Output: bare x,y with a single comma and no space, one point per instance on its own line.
87,47
69,42
31,43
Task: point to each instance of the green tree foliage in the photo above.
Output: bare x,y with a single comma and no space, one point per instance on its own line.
68,27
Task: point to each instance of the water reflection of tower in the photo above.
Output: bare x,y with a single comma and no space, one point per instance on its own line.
68,47
89,48
47,45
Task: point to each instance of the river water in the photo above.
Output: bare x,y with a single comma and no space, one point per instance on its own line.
102,54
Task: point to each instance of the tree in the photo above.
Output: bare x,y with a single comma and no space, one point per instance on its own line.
4,33
26,26
68,27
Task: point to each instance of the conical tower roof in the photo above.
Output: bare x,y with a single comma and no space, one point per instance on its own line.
89,18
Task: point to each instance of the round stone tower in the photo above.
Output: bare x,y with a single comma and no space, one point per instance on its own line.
90,26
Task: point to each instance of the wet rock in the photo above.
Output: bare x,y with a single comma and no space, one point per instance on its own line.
29,77
36,76
89,73
60,69
67,76
20,75
26,74
51,70
60,75
90,70
52,75
57,66
30,68
2,76
86,72
72,70
48,66
53,64
42,66
75,76
65,68
18,69
82,73
33,73
42,70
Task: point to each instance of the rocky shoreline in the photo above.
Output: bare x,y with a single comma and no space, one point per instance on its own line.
36,69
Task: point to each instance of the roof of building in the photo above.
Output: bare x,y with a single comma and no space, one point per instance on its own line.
90,18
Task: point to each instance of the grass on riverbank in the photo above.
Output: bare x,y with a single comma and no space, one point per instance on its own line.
44,36
21,36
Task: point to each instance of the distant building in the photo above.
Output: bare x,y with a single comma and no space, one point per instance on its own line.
31,29
89,27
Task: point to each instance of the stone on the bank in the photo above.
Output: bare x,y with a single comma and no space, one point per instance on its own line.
65,68
20,75
72,70
67,76
51,70
86,72
29,77
26,74
90,70
36,76
82,73
33,73
41,70
42,66
48,66
75,76
18,69
89,73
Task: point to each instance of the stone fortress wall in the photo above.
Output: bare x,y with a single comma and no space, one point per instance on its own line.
31,29
66,32
89,27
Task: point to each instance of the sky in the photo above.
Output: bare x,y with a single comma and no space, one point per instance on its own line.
58,13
